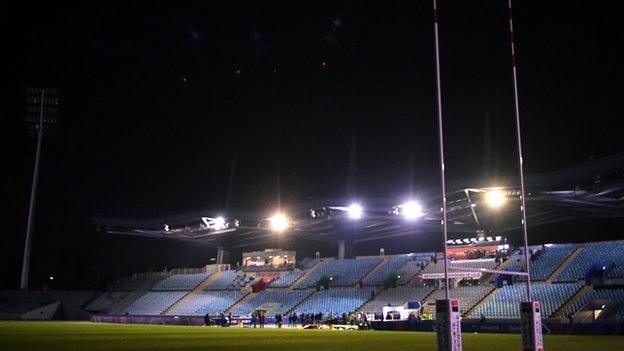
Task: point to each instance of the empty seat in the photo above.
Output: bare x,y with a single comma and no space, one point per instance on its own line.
181,281
506,302
154,302
212,302
335,301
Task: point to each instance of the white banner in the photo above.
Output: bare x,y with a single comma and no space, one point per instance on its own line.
474,275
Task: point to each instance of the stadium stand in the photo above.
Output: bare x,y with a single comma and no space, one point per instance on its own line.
395,297
181,281
344,272
212,302
335,301
404,265
286,299
592,253
286,280
616,295
468,296
226,280
548,260
505,302
107,302
154,302
308,263
131,284
477,264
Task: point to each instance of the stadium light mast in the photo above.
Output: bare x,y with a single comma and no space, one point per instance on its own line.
41,113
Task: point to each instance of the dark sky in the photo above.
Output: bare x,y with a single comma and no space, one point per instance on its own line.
156,98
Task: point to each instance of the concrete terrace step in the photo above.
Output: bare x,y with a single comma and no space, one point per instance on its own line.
564,264
134,295
580,293
412,282
199,288
481,302
381,263
312,292
296,283
244,299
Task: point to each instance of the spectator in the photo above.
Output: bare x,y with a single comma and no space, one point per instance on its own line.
279,320
254,319
293,319
262,319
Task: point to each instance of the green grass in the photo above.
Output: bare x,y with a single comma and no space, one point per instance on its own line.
34,336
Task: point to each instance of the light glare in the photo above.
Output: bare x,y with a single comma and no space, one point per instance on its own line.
279,222
495,198
355,211
412,210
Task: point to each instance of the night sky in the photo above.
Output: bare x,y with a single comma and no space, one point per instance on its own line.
156,98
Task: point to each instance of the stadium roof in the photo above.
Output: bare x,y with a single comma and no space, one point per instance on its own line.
594,189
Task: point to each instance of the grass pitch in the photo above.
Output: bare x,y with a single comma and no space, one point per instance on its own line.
35,336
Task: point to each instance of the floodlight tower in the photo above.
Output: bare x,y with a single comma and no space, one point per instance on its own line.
41,114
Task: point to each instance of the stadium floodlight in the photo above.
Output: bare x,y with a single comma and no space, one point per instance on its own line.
279,222
41,117
218,223
495,198
355,211
411,210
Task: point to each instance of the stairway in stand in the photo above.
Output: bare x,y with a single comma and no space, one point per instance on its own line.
244,299
481,302
303,277
580,293
376,268
564,264
199,288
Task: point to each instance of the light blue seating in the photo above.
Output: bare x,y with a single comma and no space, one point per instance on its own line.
548,261
287,279
506,302
154,302
308,263
286,298
344,272
602,294
590,254
395,297
335,301
181,281
468,296
224,281
406,266
212,302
